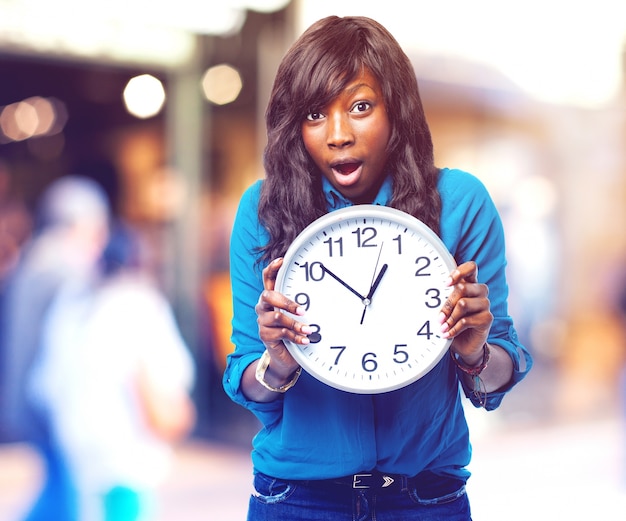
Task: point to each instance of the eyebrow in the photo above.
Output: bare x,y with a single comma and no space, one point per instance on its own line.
358,86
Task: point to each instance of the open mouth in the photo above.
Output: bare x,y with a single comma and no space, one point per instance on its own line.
346,168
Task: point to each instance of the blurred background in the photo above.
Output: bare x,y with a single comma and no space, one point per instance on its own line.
163,104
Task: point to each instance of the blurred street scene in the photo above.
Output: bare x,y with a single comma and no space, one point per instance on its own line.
162,104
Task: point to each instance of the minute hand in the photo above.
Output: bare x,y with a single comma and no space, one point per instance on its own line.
344,284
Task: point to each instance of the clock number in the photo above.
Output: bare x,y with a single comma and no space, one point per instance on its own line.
315,337
303,300
435,298
364,236
369,362
422,264
310,274
401,356
330,242
399,240
425,330
341,350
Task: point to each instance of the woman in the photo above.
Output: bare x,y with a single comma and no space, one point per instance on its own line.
346,126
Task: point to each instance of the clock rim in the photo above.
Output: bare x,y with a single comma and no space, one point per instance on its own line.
355,212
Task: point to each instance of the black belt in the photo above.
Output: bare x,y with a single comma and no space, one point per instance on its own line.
428,484
372,480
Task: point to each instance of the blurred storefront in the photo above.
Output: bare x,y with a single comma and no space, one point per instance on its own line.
553,159
174,170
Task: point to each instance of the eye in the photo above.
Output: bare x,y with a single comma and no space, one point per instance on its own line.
360,106
314,116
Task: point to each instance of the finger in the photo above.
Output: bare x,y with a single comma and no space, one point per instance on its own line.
468,313
273,300
469,290
468,271
280,321
273,338
478,325
294,337
271,272
276,326
462,290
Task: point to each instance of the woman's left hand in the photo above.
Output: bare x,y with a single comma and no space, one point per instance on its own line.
466,315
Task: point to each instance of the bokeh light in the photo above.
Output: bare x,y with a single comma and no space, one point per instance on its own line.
222,84
32,117
144,96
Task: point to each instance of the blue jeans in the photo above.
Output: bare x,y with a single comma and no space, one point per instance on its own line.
279,500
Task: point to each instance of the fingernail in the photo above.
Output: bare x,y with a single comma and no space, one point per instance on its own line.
444,327
307,330
442,317
300,310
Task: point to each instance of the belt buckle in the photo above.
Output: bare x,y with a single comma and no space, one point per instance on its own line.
356,480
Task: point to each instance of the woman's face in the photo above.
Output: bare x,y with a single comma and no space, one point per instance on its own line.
347,139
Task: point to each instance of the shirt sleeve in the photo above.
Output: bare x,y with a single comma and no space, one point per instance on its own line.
247,284
472,229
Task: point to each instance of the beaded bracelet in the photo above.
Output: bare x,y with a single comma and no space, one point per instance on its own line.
472,371
479,391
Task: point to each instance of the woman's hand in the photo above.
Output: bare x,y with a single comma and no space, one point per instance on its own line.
275,327
466,316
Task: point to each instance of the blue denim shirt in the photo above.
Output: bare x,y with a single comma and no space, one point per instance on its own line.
314,431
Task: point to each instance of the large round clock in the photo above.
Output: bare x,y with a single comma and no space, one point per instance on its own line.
372,280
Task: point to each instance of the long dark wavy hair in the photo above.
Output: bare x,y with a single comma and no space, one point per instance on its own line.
329,55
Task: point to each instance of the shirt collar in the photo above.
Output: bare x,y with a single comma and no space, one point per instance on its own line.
336,200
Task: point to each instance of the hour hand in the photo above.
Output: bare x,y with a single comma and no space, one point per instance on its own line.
377,282
368,299
343,283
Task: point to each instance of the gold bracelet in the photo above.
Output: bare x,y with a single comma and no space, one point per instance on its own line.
262,366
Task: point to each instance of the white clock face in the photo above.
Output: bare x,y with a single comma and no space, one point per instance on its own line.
372,282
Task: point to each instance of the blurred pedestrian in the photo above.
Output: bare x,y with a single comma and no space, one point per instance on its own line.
15,230
115,376
71,232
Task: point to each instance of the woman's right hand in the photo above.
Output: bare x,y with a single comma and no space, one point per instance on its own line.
275,327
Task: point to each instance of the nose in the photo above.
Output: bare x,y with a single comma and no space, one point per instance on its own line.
340,132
